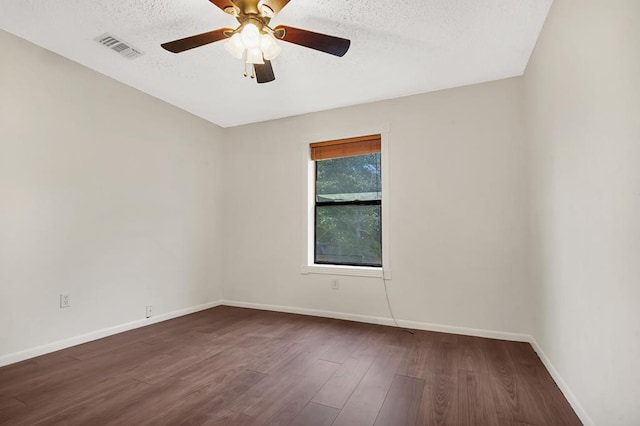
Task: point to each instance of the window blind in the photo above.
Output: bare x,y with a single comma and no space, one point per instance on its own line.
345,147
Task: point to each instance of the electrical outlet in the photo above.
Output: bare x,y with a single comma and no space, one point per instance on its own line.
149,311
335,284
65,301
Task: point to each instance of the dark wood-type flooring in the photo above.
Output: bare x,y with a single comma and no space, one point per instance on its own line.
232,366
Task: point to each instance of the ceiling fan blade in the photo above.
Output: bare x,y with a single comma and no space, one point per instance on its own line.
198,40
324,43
264,72
276,5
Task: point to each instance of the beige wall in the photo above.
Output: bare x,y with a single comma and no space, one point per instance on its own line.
583,110
106,194
457,204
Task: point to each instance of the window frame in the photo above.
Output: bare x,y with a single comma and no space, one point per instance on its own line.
308,265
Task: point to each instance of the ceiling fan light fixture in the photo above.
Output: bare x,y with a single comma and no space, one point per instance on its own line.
254,56
234,46
269,46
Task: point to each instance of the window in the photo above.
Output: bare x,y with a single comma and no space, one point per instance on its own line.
348,202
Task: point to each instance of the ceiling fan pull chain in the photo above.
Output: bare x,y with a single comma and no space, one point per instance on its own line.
245,70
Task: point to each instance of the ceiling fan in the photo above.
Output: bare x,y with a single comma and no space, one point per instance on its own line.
255,37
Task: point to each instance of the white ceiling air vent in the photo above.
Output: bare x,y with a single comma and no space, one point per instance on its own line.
117,45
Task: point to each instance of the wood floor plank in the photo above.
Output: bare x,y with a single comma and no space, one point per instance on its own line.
307,343
274,354
513,399
538,387
402,402
296,385
99,408
439,404
16,377
315,415
472,356
417,361
474,399
91,390
226,418
341,385
73,378
342,340
236,366
137,408
11,408
205,402
102,347
163,365
439,398
365,402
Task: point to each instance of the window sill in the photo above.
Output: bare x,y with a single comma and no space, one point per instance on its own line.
355,271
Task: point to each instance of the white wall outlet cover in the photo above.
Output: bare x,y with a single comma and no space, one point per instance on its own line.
149,311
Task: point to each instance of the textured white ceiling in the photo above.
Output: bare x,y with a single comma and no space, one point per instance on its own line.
398,48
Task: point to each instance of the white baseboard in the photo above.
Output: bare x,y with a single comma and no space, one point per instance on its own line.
99,334
564,388
415,325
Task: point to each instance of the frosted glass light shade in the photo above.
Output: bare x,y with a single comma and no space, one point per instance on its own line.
269,46
254,56
259,46
235,46
250,36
